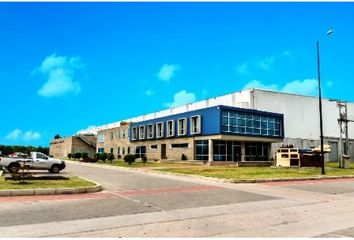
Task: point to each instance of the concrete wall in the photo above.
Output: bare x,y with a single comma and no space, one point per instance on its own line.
63,146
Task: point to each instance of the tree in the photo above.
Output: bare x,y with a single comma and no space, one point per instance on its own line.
57,136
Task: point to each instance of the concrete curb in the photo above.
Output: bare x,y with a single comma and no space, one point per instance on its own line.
50,191
217,179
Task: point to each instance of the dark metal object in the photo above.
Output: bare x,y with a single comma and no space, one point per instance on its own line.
320,106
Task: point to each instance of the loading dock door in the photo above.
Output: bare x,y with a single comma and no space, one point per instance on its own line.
333,155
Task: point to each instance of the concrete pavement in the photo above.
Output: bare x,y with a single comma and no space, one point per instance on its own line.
137,204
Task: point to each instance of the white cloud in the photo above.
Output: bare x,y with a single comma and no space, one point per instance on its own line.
266,63
258,84
305,87
242,69
15,134
60,71
149,92
181,98
329,84
167,71
27,136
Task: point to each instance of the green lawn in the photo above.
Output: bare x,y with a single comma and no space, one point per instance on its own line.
72,182
252,173
236,173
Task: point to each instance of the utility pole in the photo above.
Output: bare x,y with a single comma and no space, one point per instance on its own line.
343,119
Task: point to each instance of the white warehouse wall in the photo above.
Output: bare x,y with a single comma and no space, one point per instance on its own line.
301,114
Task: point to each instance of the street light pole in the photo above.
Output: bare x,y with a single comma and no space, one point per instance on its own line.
320,106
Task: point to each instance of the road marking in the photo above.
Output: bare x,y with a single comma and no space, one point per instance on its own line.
166,190
300,182
100,195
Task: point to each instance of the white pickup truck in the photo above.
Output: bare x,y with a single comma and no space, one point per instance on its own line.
37,160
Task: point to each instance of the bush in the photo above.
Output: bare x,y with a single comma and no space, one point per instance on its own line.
110,157
77,155
96,157
144,159
103,157
184,157
129,158
119,156
69,155
84,155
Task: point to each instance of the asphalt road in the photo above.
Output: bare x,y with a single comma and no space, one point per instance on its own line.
139,204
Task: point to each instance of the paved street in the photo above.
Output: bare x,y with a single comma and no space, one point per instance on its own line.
141,204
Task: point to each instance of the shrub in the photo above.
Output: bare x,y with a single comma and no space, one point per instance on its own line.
144,159
129,158
110,157
84,155
184,157
96,157
103,157
119,156
69,155
77,155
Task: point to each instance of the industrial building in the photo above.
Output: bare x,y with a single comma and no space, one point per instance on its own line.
81,143
242,126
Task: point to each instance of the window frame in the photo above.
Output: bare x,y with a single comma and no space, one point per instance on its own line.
144,132
168,129
135,132
161,130
152,131
198,121
185,128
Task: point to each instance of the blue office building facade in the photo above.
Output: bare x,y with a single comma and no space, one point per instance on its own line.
218,133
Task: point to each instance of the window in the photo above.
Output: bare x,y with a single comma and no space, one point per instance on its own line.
42,156
153,146
123,150
118,152
179,145
140,151
159,130
101,138
202,150
100,150
195,124
256,151
111,134
135,133
141,132
112,150
150,131
226,150
182,126
250,123
128,150
170,128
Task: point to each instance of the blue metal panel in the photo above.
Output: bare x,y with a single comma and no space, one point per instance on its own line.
210,121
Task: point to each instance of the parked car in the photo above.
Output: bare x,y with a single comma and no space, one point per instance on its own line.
37,160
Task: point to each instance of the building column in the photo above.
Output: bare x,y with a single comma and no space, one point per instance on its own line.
243,151
211,150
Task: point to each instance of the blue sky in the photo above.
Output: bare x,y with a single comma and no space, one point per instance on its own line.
67,66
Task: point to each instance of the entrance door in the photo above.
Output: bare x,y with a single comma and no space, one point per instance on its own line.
236,153
163,151
333,155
